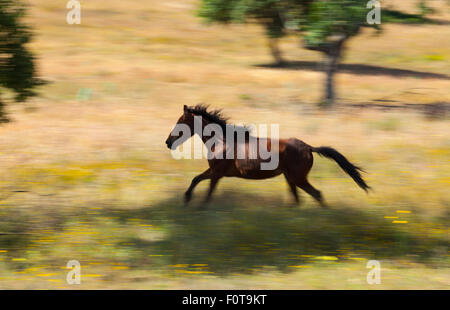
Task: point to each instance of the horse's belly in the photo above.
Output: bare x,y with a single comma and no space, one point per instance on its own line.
264,174
251,169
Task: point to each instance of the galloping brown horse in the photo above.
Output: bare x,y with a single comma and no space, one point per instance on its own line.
295,157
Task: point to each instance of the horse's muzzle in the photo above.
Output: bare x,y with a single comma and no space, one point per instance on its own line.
169,144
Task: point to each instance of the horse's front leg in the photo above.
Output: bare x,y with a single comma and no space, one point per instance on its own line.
205,175
217,173
212,186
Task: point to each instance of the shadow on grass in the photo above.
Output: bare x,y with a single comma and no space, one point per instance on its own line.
235,233
355,69
238,233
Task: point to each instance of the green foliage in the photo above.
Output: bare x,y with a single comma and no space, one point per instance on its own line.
424,8
275,15
217,10
320,19
17,70
334,18
398,17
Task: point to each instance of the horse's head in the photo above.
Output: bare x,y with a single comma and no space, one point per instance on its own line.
184,126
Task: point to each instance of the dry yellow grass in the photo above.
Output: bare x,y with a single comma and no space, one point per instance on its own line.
101,187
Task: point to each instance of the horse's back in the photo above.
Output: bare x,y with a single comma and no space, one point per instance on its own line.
295,154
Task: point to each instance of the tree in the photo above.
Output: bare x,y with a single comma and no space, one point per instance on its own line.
329,24
273,15
17,68
325,25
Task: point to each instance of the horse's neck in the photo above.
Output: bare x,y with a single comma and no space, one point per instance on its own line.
219,136
227,134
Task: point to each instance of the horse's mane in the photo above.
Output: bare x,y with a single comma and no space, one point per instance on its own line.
214,116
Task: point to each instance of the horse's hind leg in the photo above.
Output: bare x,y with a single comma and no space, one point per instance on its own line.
293,189
316,194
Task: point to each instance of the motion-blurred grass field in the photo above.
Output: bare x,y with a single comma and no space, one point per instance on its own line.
85,174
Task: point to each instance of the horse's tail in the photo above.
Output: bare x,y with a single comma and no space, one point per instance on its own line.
348,167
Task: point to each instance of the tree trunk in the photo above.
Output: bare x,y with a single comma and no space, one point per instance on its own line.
275,51
331,64
332,51
3,118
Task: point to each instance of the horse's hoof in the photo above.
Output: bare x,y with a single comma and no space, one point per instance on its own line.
203,206
205,203
187,198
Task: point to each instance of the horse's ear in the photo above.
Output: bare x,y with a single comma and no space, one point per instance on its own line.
185,108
